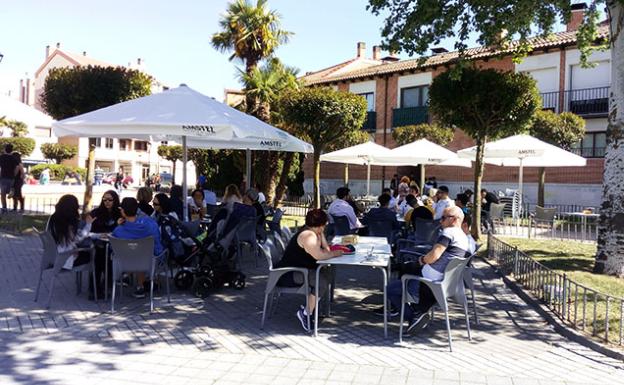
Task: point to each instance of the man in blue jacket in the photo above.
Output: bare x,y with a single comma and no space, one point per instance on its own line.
133,227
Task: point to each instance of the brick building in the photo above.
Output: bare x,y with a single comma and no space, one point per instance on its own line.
397,94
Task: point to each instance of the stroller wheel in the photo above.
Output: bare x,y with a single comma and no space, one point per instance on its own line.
202,287
183,279
206,271
238,281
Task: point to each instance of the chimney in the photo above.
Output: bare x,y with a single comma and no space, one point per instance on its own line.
361,49
47,51
84,53
376,52
391,57
138,61
58,45
438,50
576,17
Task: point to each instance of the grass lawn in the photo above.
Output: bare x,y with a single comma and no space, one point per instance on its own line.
19,223
576,260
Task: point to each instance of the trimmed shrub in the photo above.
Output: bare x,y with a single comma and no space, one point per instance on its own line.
57,171
24,146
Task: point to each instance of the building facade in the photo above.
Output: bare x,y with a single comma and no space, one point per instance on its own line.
138,158
397,95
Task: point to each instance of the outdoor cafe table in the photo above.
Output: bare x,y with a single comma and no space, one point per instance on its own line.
378,259
583,217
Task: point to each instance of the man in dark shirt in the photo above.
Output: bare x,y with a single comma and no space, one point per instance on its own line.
488,198
8,170
382,213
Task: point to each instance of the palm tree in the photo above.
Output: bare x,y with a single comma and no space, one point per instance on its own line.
251,33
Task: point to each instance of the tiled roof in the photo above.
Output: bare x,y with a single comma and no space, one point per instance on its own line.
86,60
349,66
555,40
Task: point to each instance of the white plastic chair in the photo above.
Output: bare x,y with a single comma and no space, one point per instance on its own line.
137,255
51,259
452,286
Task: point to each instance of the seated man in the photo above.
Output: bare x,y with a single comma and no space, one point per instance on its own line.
393,202
442,201
461,201
130,226
340,207
472,244
382,213
451,243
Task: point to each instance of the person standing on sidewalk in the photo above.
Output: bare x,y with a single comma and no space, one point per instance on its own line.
18,183
8,169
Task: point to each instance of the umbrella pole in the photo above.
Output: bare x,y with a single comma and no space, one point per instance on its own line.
248,168
346,175
184,182
520,177
368,179
422,179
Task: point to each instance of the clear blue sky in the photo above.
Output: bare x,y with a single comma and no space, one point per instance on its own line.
173,37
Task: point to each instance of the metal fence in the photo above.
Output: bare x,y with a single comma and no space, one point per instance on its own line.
297,206
583,308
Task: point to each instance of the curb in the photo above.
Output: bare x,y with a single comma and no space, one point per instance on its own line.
553,320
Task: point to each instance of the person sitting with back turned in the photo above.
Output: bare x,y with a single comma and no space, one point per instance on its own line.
465,226
382,213
305,248
392,204
131,226
340,207
461,201
451,243
442,201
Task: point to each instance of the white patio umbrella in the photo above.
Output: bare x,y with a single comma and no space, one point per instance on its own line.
15,110
524,151
423,152
366,154
184,115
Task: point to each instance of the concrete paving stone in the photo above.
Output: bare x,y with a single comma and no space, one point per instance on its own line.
498,380
445,382
316,374
366,378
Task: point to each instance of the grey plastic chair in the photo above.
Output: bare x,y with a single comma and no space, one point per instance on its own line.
279,243
246,234
341,225
452,286
275,222
497,215
286,234
51,259
544,217
469,273
272,286
382,229
137,255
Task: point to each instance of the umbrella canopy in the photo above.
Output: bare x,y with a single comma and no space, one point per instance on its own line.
182,112
524,151
15,110
423,151
368,154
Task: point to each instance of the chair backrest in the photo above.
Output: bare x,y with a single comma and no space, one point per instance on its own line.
50,251
211,210
453,274
270,253
545,215
380,229
132,255
246,229
274,224
426,231
286,234
192,227
422,212
279,242
341,225
496,210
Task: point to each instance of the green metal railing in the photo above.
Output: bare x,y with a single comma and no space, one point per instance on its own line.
370,124
409,115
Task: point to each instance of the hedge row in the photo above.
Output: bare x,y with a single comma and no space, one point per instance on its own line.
57,171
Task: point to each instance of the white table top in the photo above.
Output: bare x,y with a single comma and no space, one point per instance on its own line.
380,256
581,214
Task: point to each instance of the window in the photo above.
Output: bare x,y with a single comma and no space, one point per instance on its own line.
125,144
370,100
140,145
164,142
97,142
414,96
592,146
109,143
41,132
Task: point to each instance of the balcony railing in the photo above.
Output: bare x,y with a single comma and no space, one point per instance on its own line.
370,124
583,102
409,115
589,152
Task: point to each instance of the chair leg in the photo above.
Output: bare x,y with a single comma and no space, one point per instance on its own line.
168,288
402,314
113,296
467,318
448,330
264,309
152,294
51,290
78,282
474,306
38,285
307,306
95,291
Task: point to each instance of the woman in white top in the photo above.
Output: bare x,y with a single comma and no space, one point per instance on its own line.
232,194
64,225
196,205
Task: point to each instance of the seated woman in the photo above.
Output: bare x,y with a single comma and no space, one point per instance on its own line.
106,216
144,197
177,201
305,248
232,194
64,225
196,205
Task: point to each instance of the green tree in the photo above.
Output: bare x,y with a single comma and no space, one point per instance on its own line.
73,91
486,104
322,116
172,154
58,151
24,146
414,25
18,129
432,132
563,130
251,33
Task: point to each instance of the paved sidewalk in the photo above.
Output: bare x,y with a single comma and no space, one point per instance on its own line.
219,341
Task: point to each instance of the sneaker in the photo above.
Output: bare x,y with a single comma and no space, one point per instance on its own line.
139,292
392,311
419,322
303,318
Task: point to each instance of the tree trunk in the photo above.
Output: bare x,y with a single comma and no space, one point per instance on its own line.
88,195
174,172
317,177
346,175
610,251
540,186
281,185
476,204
